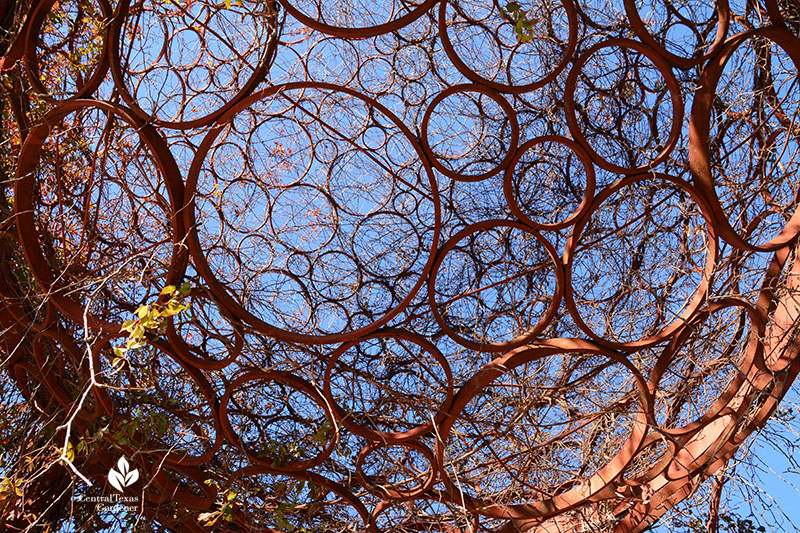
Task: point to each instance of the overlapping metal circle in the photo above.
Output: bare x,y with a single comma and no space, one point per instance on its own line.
443,279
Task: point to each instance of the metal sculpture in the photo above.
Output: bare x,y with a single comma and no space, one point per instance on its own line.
454,265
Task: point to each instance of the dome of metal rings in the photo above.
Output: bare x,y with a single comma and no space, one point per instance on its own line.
423,265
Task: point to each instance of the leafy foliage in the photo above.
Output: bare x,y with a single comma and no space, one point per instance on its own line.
523,21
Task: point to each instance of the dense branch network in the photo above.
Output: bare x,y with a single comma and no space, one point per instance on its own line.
448,265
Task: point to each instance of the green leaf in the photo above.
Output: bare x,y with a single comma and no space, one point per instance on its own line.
134,344
185,289
162,427
142,311
173,308
512,7
138,332
321,435
169,289
227,512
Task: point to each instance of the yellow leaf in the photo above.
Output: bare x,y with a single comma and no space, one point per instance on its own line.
169,289
70,452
